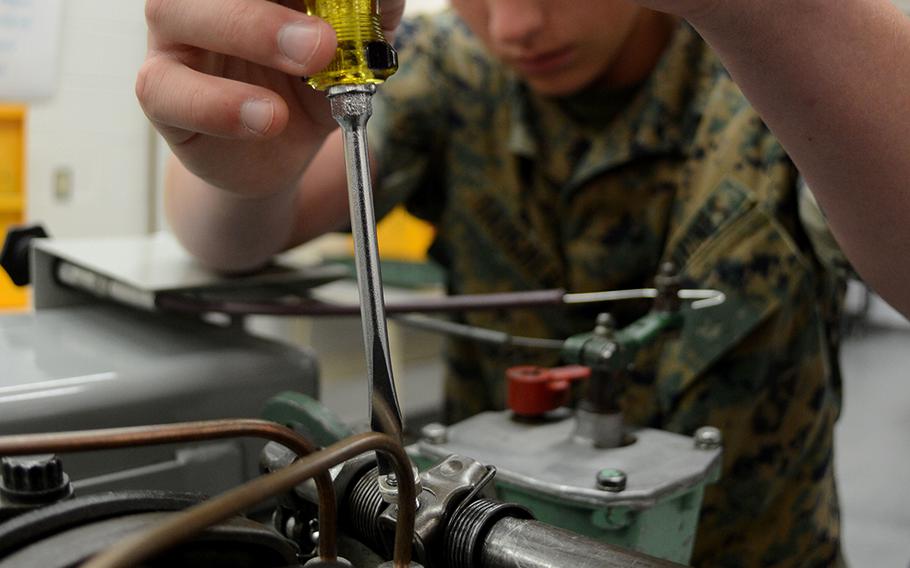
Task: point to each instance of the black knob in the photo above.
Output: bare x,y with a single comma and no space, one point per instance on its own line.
34,480
381,56
17,250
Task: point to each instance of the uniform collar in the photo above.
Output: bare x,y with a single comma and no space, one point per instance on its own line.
660,120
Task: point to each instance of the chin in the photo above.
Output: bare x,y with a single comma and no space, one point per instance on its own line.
561,85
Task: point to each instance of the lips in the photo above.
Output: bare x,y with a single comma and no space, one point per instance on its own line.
544,62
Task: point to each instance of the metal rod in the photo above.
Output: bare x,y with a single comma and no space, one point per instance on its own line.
88,440
352,107
518,543
312,307
479,334
133,550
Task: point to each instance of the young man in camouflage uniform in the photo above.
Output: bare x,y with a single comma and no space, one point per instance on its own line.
575,145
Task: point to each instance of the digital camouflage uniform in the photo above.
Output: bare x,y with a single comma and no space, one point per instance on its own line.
524,197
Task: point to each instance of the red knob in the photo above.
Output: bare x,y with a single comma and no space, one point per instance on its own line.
534,391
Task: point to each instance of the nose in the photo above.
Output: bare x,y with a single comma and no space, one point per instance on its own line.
515,22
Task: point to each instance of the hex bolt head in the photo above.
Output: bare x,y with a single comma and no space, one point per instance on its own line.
34,480
708,438
612,480
435,433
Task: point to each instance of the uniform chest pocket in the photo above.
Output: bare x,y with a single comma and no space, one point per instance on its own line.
736,246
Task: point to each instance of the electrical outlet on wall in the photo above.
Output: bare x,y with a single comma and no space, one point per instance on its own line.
63,183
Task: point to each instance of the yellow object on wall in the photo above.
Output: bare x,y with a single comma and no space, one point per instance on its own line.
12,191
403,237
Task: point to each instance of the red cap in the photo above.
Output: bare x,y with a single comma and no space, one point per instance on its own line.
534,391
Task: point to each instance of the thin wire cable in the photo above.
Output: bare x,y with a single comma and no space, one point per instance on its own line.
184,303
113,438
475,333
136,549
313,307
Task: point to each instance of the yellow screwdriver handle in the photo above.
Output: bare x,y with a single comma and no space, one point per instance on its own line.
363,56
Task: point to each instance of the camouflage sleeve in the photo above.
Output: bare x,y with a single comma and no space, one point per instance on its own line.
815,224
406,131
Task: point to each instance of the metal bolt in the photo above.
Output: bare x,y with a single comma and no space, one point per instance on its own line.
605,327
668,284
435,433
708,438
612,480
391,480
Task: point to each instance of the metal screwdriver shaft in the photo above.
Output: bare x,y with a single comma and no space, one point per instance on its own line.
363,60
352,108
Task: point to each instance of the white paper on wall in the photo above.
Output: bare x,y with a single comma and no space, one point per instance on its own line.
29,49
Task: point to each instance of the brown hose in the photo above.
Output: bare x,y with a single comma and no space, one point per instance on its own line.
88,440
182,526
312,307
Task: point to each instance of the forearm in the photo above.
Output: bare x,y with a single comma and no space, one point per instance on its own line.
231,233
224,231
832,80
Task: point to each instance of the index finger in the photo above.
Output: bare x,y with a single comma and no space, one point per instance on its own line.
259,31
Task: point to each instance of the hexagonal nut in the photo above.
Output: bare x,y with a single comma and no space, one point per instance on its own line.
708,438
612,480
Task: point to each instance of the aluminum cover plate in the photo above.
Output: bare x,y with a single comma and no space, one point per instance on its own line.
544,459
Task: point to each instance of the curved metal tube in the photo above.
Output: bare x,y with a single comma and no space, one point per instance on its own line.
88,440
191,522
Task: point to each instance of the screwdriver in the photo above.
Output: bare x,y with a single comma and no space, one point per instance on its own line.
363,60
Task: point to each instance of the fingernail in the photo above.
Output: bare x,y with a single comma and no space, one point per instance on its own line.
298,42
257,115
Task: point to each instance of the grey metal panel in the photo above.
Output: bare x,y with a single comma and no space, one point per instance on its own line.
136,269
102,365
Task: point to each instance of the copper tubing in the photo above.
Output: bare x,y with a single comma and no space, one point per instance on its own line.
134,550
88,440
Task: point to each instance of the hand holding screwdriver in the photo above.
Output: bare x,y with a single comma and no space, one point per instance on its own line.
222,83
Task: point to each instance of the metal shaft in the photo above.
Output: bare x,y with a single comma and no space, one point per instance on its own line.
352,108
517,543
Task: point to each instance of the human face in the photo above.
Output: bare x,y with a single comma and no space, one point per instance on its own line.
557,46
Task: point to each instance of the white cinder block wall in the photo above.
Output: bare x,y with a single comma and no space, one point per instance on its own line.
93,130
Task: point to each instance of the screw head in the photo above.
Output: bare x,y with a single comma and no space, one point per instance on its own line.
708,438
605,326
435,433
612,480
